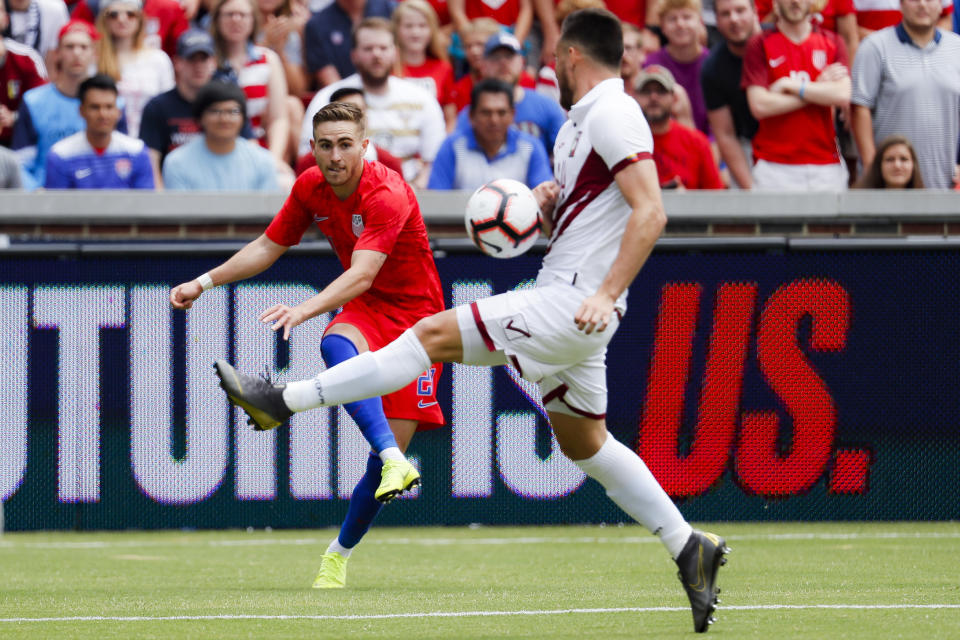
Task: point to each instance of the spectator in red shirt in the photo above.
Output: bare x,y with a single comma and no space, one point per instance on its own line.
839,16
794,76
517,14
21,68
422,57
682,154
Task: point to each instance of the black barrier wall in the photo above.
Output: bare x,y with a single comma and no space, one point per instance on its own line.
756,386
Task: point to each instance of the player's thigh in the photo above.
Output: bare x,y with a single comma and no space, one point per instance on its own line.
440,336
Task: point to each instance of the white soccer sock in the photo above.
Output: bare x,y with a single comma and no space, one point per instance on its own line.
392,453
633,488
336,547
367,375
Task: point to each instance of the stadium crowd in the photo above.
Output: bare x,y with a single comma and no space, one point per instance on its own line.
220,94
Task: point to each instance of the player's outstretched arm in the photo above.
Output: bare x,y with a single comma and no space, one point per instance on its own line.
364,267
249,261
640,187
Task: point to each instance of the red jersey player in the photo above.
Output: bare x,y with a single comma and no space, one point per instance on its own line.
372,220
793,76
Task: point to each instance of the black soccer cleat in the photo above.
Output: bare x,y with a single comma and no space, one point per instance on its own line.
699,563
260,399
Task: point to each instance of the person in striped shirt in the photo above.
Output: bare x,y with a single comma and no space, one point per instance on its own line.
906,80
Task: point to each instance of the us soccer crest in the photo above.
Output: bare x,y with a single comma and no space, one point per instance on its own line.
357,224
819,59
123,167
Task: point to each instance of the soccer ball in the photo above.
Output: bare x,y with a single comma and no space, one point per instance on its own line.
503,218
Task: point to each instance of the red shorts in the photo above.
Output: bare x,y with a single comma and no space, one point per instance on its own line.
416,401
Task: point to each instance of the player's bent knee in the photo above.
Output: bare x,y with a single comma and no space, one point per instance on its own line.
440,336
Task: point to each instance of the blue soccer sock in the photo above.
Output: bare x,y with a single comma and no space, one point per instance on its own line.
368,414
363,506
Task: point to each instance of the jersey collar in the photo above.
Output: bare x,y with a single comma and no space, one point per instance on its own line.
579,111
905,38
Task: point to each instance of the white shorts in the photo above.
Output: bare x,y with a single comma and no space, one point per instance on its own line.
773,176
534,330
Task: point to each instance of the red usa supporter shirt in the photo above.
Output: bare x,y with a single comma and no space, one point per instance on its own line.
381,215
804,136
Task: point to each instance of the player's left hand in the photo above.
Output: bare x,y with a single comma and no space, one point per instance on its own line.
594,313
283,317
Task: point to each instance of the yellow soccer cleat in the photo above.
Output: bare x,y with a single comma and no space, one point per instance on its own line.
397,476
333,572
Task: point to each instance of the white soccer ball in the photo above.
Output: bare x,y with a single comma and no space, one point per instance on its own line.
503,218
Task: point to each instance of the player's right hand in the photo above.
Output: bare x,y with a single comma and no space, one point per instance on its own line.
183,295
546,194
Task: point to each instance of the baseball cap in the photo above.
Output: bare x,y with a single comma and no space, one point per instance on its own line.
194,41
656,73
502,40
81,26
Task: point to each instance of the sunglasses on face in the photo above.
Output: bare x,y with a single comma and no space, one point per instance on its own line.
114,14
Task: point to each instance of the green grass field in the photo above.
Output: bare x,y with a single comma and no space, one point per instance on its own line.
784,580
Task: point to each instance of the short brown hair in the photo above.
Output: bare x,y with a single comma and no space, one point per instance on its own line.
340,112
374,23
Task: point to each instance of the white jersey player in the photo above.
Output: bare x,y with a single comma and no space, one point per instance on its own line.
606,216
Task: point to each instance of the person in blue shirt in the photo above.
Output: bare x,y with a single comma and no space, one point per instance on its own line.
220,159
535,113
491,147
50,113
99,157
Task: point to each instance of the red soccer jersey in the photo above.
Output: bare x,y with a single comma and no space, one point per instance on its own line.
804,136
827,16
21,69
381,215
683,156
503,11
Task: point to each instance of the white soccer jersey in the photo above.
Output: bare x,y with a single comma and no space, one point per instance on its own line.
606,131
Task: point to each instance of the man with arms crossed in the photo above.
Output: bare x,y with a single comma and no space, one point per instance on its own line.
606,215
372,219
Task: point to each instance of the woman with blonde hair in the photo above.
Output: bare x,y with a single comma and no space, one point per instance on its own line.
141,72
259,73
422,53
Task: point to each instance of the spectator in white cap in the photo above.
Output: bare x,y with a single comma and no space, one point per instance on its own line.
141,72
535,113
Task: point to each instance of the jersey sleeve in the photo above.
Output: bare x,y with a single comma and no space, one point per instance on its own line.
175,178
153,130
841,53
385,212
142,171
867,74
293,219
620,134
58,174
755,65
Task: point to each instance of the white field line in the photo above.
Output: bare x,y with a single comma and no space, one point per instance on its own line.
475,614
6,543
